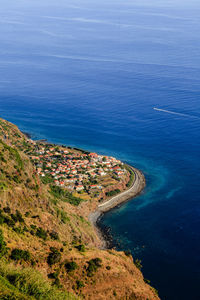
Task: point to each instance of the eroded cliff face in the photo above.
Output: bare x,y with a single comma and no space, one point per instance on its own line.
61,242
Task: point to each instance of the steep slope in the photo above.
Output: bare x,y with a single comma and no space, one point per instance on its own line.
53,237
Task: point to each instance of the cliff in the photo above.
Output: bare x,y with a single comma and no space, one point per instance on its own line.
46,236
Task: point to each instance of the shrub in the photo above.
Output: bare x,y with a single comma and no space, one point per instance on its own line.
71,266
7,209
93,265
35,217
65,195
18,229
25,229
54,275
33,226
54,256
3,249
54,235
138,264
113,193
10,222
1,219
46,179
41,233
3,186
79,284
17,217
63,216
19,254
27,214
57,283
131,178
147,280
31,283
80,248
32,232
28,180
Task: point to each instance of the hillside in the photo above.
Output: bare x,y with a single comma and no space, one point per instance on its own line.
48,248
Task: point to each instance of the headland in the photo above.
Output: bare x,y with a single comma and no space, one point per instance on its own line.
47,194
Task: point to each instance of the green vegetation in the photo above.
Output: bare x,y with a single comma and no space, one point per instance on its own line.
9,292
12,219
17,217
26,283
79,284
71,266
113,193
46,179
138,264
93,266
6,219
132,177
19,254
54,256
14,154
3,186
7,209
2,159
64,195
40,232
80,248
54,235
147,281
23,178
3,248
62,215
155,291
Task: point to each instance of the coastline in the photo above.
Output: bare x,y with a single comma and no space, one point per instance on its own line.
94,217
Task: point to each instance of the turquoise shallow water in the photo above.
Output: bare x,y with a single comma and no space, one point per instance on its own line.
88,74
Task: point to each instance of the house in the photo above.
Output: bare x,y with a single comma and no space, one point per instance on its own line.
79,187
73,171
93,186
101,173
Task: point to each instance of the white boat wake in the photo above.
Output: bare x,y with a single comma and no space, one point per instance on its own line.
175,113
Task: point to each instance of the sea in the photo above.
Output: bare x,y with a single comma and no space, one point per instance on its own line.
121,78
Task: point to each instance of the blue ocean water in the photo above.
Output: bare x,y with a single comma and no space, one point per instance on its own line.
89,74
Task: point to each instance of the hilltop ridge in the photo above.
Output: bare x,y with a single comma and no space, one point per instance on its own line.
45,229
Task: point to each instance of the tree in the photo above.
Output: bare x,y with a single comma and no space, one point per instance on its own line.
71,266
54,256
19,254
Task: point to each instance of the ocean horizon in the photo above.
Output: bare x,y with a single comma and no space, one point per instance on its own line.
121,79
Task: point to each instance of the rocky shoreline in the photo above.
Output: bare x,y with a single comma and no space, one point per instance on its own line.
94,217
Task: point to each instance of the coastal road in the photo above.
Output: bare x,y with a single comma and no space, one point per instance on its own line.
135,189
137,186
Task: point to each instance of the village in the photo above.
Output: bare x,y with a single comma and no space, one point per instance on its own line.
84,173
